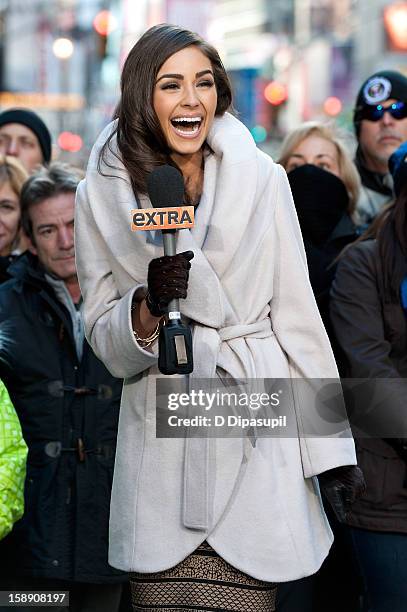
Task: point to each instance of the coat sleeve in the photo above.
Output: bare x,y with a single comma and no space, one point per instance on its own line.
13,454
299,329
107,314
357,318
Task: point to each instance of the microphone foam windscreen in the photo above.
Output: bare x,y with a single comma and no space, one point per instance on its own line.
165,186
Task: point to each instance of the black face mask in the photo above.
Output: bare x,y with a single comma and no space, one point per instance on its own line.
321,200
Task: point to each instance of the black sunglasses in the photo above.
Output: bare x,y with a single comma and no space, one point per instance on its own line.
398,110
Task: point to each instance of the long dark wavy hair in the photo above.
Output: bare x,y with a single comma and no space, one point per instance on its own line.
390,230
140,140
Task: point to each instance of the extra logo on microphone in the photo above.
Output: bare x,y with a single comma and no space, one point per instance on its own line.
174,217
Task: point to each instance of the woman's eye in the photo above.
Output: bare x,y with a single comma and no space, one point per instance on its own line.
324,166
7,206
170,86
206,84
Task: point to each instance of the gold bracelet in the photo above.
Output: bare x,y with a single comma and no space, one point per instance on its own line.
150,339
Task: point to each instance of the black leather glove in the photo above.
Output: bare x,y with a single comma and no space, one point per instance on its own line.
167,279
341,486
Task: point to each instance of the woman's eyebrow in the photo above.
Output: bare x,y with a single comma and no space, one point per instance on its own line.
181,77
170,76
299,155
207,71
325,155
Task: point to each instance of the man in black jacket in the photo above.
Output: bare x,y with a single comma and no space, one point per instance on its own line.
68,405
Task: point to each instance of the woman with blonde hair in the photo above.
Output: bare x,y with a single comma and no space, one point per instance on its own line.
325,186
12,242
337,160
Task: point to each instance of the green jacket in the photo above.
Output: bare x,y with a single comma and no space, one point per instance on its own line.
13,454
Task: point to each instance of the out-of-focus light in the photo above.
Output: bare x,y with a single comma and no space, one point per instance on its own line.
259,133
332,106
67,141
62,48
55,102
104,23
275,93
395,22
282,58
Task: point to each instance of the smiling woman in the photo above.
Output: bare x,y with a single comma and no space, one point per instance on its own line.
202,523
173,85
185,105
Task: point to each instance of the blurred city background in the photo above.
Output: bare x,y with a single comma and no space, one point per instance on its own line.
289,60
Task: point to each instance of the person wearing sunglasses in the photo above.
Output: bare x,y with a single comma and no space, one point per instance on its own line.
380,119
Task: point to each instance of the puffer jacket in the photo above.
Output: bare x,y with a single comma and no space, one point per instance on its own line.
13,455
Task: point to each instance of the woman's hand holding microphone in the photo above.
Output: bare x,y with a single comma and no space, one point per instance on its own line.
167,279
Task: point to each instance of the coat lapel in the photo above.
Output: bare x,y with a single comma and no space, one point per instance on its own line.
234,197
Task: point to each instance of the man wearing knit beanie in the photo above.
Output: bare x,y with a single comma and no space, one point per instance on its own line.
380,119
23,134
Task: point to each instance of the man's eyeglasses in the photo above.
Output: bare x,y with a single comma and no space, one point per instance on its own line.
398,110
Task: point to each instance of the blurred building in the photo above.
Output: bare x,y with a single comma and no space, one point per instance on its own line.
318,71
338,44
381,40
296,60
51,59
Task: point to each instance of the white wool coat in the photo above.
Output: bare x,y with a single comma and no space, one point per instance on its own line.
253,314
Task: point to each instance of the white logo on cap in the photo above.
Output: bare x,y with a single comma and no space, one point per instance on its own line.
377,90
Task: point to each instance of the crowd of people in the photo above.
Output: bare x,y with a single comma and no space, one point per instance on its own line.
313,257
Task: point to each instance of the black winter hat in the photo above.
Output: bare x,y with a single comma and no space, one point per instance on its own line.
378,88
34,123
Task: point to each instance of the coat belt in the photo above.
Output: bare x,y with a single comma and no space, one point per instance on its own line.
197,500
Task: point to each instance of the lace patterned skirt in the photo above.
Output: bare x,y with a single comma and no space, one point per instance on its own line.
204,582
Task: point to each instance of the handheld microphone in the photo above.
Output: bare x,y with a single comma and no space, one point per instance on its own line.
165,186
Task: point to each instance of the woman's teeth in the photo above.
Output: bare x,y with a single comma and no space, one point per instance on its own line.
188,125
